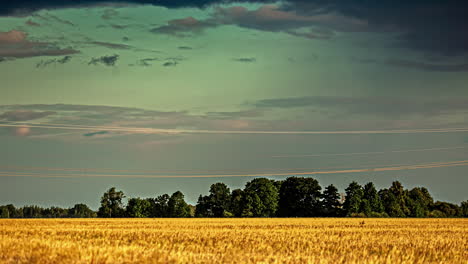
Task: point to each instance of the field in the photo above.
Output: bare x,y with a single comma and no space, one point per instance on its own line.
234,240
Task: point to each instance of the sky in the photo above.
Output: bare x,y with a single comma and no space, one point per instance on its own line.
158,96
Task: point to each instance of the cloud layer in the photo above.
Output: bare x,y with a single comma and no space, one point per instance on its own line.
14,44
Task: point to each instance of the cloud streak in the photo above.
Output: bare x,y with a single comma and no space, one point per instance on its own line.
308,173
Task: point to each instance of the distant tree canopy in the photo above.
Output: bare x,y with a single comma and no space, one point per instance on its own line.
262,197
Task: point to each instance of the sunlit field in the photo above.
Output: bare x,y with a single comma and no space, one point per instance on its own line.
234,240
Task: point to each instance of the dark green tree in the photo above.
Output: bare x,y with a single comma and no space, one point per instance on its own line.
353,202
300,196
260,198
203,207
177,205
138,208
81,211
111,204
220,199
448,209
371,195
464,208
236,202
160,206
419,202
331,201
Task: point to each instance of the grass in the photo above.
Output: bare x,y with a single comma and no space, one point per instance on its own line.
297,240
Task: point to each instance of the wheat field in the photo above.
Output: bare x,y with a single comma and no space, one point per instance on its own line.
297,240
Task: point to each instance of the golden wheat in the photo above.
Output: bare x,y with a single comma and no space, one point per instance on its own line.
297,240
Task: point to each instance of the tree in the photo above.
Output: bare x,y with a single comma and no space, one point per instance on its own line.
160,206
236,202
177,205
448,209
111,204
300,197
220,199
81,211
331,201
353,201
371,195
260,198
419,202
464,208
203,207
4,213
138,208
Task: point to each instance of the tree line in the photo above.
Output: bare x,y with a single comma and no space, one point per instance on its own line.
262,197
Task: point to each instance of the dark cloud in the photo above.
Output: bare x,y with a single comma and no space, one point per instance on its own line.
24,115
44,63
32,23
111,45
95,133
110,14
185,27
185,48
170,64
14,44
125,39
425,25
245,60
371,105
105,60
462,67
147,61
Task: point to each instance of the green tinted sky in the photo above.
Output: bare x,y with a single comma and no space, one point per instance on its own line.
216,70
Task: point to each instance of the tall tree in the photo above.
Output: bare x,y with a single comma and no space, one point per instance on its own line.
236,202
331,201
177,205
160,206
353,201
220,199
371,195
260,198
111,204
300,197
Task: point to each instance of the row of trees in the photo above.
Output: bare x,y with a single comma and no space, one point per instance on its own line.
77,211
261,197
303,197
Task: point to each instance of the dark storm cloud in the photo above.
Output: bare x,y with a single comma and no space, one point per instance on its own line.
371,105
245,60
44,63
105,60
462,67
427,25
14,44
24,115
185,48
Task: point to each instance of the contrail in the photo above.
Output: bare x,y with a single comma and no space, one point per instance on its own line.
203,131
367,153
397,168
